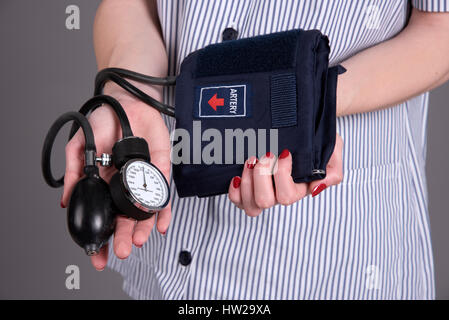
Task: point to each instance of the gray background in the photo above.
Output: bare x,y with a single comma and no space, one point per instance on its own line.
47,70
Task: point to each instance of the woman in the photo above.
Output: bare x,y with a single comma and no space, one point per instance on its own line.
364,238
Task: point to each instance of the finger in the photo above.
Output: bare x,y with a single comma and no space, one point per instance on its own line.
287,191
264,195
163,219
156,135
334,170
123,237
142,231
74,165
234,192
161,159
158,139
100,260
247,189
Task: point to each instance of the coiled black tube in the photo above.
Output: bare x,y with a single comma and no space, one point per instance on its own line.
97,101
117,76
167,81
89,149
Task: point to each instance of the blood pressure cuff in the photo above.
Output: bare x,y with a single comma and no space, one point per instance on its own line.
267,90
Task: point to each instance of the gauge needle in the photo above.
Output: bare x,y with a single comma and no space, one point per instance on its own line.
144,180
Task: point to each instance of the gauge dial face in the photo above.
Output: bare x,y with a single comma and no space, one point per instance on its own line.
146,185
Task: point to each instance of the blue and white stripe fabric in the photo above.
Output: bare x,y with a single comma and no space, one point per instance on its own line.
367,238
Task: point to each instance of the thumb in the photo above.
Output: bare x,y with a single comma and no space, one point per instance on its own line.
161,159
334,170
74,167
158,140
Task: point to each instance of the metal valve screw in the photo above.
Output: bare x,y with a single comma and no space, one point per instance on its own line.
105,160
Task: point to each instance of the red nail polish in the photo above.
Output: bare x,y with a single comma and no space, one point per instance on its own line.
316,191
236,182
163,233
252,165
62,205
284,154
269,155
138,246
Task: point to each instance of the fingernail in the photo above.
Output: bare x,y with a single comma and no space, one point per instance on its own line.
236,182
251,165
269,154
284,154
62,205
163,233
99,270
316,191
138,246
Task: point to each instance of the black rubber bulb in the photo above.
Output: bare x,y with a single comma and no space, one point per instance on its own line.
90,214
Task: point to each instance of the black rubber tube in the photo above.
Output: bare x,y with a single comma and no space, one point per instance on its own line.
97,101
90,149
167,81
115,76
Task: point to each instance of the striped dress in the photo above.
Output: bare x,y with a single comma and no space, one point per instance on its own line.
367,238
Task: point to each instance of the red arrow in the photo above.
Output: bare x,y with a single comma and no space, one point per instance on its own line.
215,102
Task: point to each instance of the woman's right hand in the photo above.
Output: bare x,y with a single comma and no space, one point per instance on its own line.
146,122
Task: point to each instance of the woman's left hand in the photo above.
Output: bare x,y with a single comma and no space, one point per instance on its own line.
255,190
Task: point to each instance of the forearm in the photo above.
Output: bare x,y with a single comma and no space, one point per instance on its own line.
127,35
413,62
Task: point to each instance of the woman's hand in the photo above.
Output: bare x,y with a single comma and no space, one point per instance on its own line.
145,122
255,190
